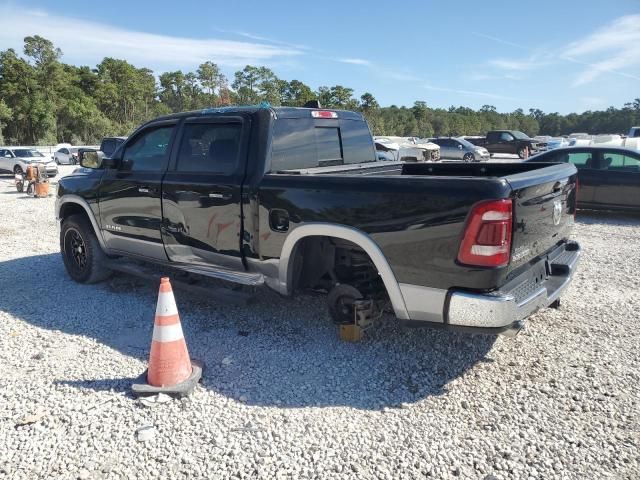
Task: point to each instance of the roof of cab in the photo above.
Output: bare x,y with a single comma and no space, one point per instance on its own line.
280,112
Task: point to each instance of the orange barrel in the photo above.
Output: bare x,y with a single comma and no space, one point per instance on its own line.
31,172
42,189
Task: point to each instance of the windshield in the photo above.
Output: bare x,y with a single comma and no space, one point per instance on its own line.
23,152
520,135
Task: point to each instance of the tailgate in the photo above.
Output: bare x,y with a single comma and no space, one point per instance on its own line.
544,208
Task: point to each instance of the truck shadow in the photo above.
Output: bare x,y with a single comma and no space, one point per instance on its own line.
274,352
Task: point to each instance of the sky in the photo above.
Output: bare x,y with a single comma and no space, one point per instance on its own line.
558,56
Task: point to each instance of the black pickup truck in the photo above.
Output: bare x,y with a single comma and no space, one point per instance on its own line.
507,141
294,198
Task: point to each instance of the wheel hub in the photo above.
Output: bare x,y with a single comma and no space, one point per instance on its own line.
76,249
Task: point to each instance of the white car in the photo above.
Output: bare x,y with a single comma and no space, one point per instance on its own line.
16,160
66,156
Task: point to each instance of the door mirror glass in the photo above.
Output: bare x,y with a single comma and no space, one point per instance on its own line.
90,159
460,146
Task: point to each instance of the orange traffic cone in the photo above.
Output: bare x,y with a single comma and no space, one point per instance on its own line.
170,369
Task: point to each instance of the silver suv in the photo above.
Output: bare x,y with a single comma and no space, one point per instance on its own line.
457,148
17,160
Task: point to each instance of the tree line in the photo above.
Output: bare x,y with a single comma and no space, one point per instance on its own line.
45,101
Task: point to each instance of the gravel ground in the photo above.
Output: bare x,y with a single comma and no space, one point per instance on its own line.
282,397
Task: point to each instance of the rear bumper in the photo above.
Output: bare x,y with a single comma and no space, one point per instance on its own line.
501,311
504,310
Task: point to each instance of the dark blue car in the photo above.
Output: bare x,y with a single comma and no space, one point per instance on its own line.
609,176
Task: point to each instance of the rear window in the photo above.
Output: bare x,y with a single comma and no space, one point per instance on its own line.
308,143
328,146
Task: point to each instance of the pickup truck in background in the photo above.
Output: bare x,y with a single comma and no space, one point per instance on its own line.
108,146
507,141
293,198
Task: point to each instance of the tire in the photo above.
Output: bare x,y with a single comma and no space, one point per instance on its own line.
522,153
340,300
17,170
20,186
29,188
82,255
469,157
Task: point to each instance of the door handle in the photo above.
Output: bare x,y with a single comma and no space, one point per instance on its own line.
221,196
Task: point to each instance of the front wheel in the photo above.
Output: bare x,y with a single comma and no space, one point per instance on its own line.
469,157
82,255
523,152
17,170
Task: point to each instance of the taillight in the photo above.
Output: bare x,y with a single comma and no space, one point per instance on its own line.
323,114
487,235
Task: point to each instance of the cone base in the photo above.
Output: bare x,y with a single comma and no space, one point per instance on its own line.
142,389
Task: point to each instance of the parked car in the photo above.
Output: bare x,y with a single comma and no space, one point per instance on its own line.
609,176
508,141
294,198
407,149
66,156
557,142
16,160
457,148
386,149
634,132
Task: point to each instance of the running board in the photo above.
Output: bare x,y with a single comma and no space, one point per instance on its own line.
219,294
243,278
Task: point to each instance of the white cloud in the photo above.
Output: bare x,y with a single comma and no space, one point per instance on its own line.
356,61
88,42
607,50
532,62
261,38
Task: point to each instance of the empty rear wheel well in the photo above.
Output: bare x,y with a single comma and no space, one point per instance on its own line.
321,262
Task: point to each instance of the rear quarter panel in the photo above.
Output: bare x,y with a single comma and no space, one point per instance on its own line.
417,222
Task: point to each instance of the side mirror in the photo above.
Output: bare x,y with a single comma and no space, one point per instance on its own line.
460,147
90,159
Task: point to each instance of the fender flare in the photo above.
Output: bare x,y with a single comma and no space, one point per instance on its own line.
350,234
69,198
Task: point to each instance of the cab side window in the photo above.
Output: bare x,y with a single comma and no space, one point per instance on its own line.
581,159
618,161
149,151
209,147
506,137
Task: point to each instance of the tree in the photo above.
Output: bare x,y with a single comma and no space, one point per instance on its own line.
297,93
245,84
5,115
210,77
